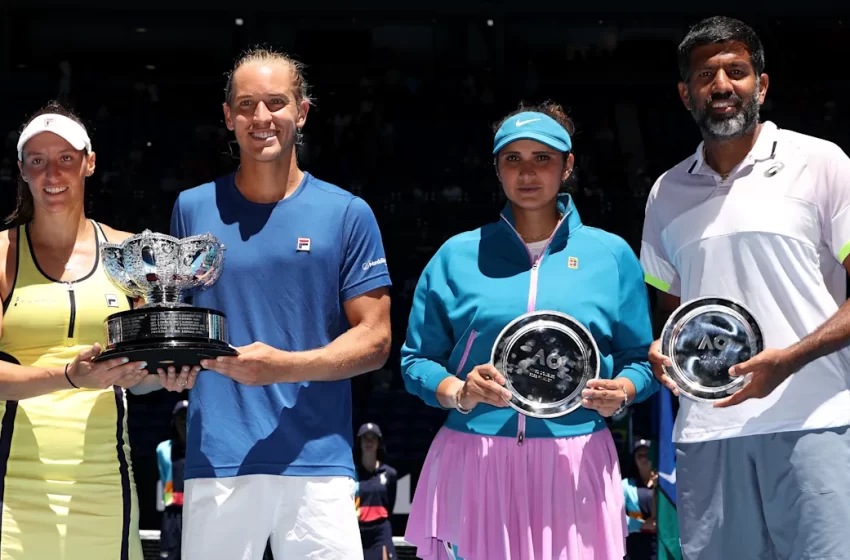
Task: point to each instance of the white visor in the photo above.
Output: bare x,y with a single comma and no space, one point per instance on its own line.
60,125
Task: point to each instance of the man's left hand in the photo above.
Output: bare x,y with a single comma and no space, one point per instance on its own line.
604,395
769,369
256,364
174,381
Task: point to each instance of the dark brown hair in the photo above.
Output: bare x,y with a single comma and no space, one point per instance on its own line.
548,108
25,206
265,54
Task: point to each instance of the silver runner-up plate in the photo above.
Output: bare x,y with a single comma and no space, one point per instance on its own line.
704,338
547,358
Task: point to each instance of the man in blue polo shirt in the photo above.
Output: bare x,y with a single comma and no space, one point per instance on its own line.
304,288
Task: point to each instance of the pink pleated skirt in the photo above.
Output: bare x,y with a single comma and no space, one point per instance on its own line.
549,499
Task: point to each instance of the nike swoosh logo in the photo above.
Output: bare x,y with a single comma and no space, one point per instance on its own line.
671,477
522,123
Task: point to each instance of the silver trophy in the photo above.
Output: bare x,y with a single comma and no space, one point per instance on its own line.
547,358
704,338
162,271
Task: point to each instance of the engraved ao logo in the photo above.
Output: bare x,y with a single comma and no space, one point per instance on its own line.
551,367
712,352
552,361
718,342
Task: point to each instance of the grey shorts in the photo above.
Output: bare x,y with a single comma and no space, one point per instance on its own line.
771,497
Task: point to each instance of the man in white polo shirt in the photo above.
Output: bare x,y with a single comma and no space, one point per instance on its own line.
761,215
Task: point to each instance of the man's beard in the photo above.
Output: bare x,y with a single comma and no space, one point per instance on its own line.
727,127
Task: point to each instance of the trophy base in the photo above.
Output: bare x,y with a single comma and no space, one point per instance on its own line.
173,353
166,337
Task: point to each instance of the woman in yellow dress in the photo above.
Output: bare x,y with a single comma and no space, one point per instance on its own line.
66,480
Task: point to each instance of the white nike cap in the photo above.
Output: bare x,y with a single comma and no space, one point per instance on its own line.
60,125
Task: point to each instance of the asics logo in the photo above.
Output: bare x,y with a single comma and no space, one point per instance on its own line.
774,169
523,123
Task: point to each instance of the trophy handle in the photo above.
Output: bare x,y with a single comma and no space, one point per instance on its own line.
112,260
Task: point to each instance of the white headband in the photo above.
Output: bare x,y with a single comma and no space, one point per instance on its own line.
60,125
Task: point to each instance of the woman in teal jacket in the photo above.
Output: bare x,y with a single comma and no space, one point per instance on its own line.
498,485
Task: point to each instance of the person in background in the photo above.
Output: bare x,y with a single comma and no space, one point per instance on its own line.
639,492
170,457
376,490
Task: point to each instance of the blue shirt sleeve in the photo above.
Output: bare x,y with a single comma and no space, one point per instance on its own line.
163,462
630,495
364,266
633,331
429,343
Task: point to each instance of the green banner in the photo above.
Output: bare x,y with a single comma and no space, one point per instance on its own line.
668,529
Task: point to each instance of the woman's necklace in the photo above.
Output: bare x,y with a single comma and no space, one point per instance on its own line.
533,238
542,236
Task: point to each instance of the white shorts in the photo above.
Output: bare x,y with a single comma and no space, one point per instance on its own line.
305,517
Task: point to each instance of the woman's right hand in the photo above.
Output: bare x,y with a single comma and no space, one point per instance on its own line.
484,384
657,360
101,375
653,480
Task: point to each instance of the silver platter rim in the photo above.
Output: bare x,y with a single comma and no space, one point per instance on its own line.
573,401
686,312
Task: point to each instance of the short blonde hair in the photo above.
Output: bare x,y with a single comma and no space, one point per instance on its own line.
264,54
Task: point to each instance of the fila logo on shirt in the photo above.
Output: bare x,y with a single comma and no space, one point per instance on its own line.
111,300
303,244
572,262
